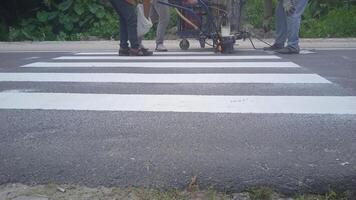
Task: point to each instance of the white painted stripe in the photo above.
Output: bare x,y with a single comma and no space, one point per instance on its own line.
162,78
168,64
135,58
305,52
240,49
334,49
180,103
154,53
35,51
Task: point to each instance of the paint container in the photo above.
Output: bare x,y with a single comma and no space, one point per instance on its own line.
227,44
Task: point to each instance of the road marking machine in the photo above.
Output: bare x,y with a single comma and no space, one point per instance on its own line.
218,20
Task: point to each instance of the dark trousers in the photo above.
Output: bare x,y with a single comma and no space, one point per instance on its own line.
128,23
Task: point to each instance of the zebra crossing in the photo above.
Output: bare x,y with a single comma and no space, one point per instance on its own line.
167,64
163,78
163,102
169,57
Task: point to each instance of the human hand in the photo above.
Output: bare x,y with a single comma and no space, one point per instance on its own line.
191,2
289,7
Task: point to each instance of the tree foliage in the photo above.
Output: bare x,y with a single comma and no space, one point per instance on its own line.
64,20
320,8
330,19
80,19
322,18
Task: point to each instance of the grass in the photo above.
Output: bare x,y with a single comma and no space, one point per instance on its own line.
260,193
332,195
140,193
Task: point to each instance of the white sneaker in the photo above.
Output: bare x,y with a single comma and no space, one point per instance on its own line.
161,47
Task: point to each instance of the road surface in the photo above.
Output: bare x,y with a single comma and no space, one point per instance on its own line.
248,119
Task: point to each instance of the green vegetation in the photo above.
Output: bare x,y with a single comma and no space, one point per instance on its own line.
254,12
66,20
261,193
40,20
3,32
338,22
322,18
332,195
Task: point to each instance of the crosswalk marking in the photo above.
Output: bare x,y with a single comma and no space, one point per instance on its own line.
154,53
180,103
35,99
167,64
172,58
162,78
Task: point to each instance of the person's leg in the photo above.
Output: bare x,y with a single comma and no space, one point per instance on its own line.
293,24
281,28
153,14
128,14
140,39
131,20
123,34
163,20
281,25
123,26
128,19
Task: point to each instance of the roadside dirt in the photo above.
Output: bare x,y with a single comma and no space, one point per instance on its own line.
75,192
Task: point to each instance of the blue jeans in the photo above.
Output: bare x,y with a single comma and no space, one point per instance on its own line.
288,27
128,23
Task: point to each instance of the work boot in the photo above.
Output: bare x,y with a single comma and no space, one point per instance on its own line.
274,47
124,52
288,50
140,52
147,51
161,48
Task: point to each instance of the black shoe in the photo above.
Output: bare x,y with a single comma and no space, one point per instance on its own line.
147,51
124,52
140,52
289,50
274,47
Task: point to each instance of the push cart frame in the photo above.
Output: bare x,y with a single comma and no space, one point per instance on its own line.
208,26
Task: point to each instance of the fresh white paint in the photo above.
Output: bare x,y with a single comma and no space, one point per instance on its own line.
237,50
161,78
154,53
31,58
305,52
173,58
180,103
335,48
168,64
18,91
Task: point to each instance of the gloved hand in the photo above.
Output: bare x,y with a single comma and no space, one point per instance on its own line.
289,7
190,2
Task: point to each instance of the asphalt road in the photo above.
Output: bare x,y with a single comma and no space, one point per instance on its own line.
164,146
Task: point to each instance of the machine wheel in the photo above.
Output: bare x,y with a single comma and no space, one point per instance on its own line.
184,44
